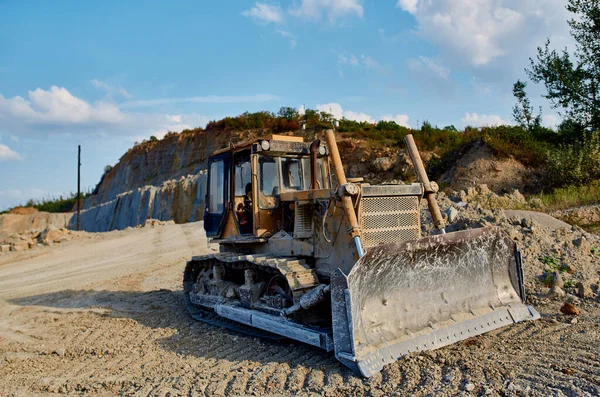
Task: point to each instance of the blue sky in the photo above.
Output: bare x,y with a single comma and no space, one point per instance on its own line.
105,74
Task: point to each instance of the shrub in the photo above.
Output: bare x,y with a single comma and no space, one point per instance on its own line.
577,163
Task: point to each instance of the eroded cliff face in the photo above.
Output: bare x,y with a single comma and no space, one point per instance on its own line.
163,180
153,163
181,200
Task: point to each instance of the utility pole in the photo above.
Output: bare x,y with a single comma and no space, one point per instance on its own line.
78,185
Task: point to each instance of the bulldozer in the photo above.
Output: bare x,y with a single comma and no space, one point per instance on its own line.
310,255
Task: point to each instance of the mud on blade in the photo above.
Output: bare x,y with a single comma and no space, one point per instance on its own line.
425,294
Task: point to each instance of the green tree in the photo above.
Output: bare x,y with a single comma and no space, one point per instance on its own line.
523,111
288,113
573,80
450,128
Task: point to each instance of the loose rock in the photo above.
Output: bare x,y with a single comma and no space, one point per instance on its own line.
556,292
60,352
452,214
556,280
570,309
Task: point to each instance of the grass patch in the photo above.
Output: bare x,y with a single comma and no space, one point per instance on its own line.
570,196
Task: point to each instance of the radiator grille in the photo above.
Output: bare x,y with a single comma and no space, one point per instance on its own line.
389,219
303,221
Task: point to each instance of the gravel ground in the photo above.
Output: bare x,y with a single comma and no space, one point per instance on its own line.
104,316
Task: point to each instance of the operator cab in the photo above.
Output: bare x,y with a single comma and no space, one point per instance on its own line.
245,183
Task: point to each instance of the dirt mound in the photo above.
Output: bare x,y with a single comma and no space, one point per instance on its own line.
478,165
548,245
587,217
36,221
374,164
23,211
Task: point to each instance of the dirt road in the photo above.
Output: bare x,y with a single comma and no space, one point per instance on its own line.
104,316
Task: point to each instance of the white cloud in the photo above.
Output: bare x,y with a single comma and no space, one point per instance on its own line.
424,63
202,99
265,13
400,119
301,110
550,120
371,63
358,116
288,35
347,60
485,30
408,5
57,111
337,111
483,120
365,62
7,154
110,90
56,106
333,9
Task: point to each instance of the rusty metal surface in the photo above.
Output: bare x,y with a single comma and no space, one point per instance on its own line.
430,281
425,294
414,189
305,195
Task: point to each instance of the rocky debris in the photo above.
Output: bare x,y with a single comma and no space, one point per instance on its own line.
581,242
60,352
513,387
469,387
383,164
52,235
156,222
555,280
587,288
22,224
586,216
555,264
452,214
478,163
570,309
19,246
556,292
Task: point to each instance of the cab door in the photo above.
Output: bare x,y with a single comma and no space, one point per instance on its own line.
217,194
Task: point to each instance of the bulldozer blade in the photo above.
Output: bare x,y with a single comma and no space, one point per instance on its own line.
424,294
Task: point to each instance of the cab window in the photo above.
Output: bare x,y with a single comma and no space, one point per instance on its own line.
322,179
216,190
243,176
295,173
268,176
